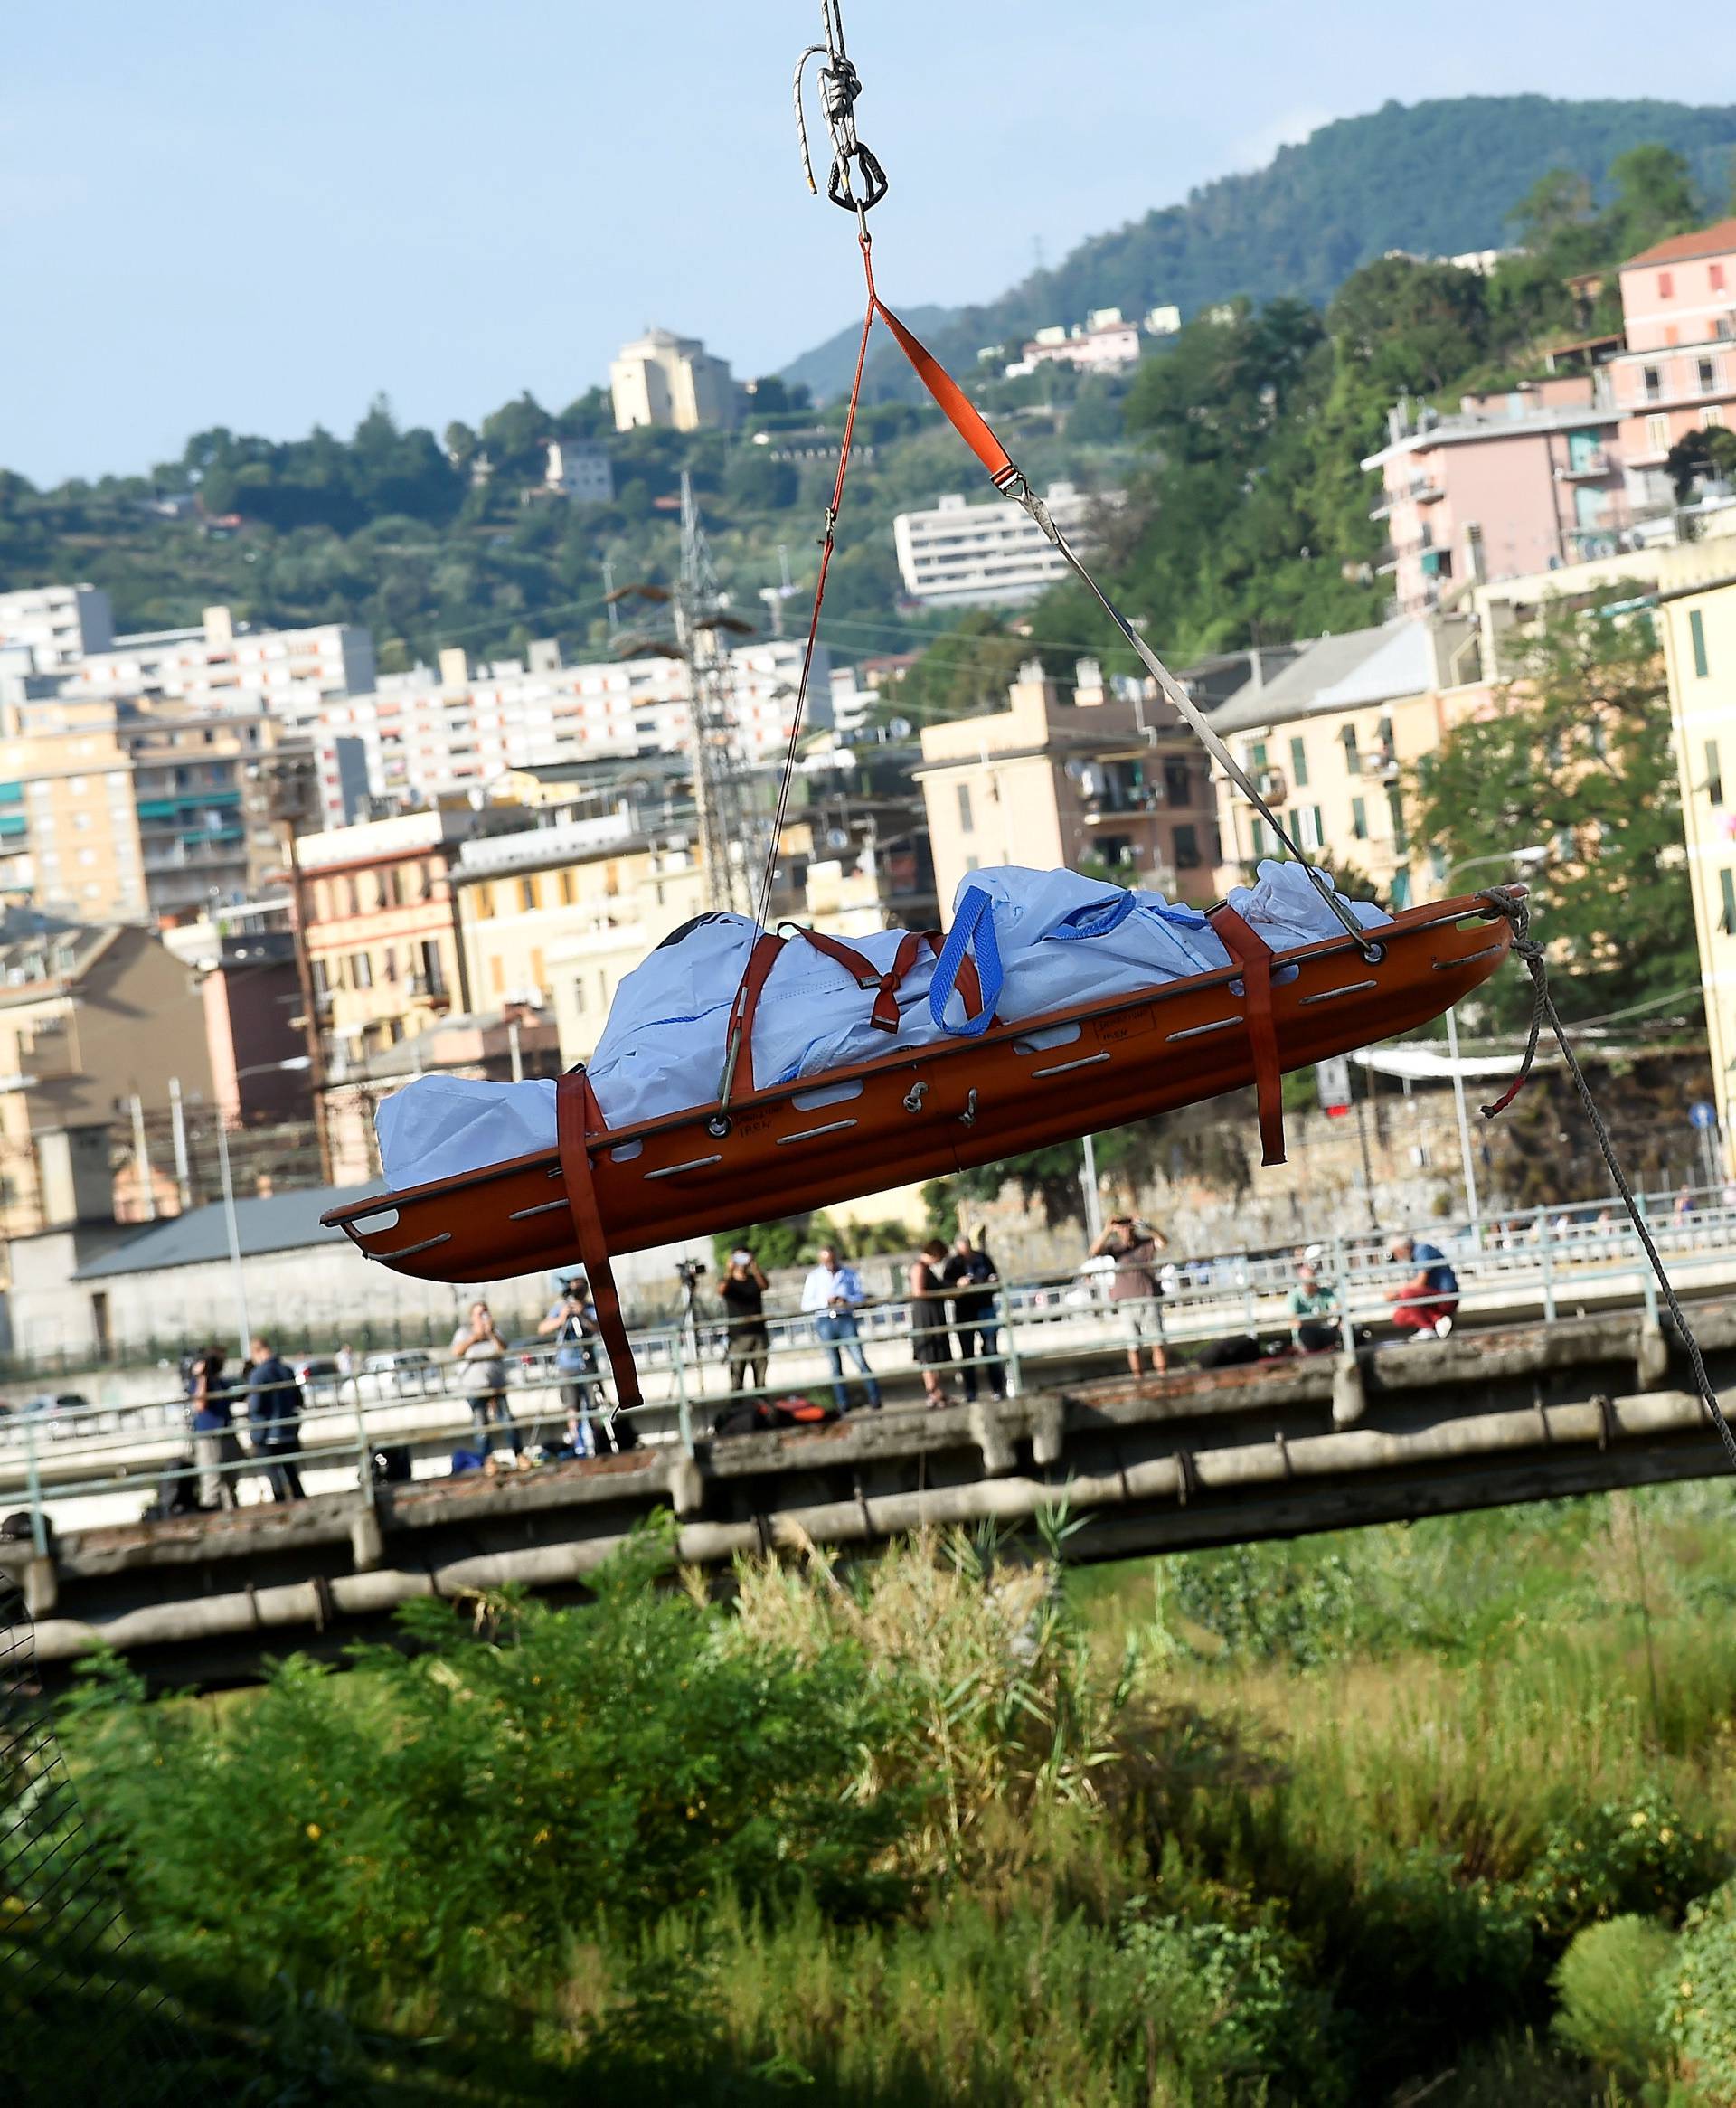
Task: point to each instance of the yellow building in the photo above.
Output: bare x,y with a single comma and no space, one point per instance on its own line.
1697,624
91,1017
1332,741
1048,782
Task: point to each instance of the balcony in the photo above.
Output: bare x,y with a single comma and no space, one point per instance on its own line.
1596,462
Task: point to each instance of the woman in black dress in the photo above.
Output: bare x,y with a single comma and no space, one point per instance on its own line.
931,1342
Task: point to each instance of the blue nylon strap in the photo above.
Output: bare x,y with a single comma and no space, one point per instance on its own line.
975,917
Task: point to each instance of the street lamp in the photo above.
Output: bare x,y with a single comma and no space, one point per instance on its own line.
231,1225
1527,859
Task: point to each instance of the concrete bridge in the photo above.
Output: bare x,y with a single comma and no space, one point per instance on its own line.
1522,1411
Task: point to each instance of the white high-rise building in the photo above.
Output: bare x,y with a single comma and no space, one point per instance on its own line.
668,380
579,470
58,624
435,731
221,665
962,555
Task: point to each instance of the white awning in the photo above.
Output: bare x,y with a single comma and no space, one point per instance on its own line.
1432,1064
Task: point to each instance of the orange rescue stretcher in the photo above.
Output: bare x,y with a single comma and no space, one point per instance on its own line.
923,1111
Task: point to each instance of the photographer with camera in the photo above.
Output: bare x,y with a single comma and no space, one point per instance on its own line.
742,1292
1133,1245
573,1320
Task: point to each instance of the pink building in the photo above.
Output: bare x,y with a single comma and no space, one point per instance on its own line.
1107,342
1514,482
1678,372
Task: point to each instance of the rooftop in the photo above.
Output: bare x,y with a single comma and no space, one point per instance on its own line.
1718,240
1338,672
275,1222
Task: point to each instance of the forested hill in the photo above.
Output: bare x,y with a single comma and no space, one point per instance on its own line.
1436,178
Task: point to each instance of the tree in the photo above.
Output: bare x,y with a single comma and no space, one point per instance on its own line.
1410,327
1654,197
1702,457
1560,202
1575,754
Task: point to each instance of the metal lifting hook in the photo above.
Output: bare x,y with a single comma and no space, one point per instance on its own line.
840,85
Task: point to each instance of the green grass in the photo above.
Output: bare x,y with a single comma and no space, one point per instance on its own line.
1317,1823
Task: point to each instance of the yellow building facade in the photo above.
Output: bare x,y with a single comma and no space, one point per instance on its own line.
1696,620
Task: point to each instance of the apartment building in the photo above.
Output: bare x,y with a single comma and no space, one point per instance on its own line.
960,555
1330,741
424,734
1679,372
662,379
92,1015
1515,482
1696,618
223,665
1102,777
380,925
579,469
1106,341
56,625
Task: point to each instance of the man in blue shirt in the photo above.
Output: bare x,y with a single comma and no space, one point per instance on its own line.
274,1419
832,1293
1426,1301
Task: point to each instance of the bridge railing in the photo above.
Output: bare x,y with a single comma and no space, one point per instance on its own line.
90,1464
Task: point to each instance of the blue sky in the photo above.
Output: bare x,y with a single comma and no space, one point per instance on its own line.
263,215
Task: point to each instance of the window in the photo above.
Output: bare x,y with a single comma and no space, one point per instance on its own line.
526,894
484,907
569,889
1353,759
1657,434
1727,886
1667,285
1714,775
1307,827
967,824
1262,847
361,969
1707,375
1299,764
579,996
1178,784
1359,818
1716,277
1697,638
1653,383
1187,848
388,964
1395,810
1399,892
1256,755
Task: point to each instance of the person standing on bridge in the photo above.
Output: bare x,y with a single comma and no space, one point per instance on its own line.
1133,1245
931,1342
478,1345
274,1403
1425,1303
214,1430
742,1291
972,1277
832,1293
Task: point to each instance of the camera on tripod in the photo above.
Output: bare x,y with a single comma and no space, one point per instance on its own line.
688,1271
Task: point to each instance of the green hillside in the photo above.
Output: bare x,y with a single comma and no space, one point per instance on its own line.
1436,178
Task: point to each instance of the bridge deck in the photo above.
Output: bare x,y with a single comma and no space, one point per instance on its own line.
1160,1463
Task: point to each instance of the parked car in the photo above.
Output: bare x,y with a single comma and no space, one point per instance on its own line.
51,1402
401,1371
318,1379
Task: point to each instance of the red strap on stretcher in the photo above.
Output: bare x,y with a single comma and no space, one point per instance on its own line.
1253,957
576,1115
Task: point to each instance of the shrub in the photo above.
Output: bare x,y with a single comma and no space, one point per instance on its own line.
1229,2010
457,1812
1608,1986
1697,1997
1635,1854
